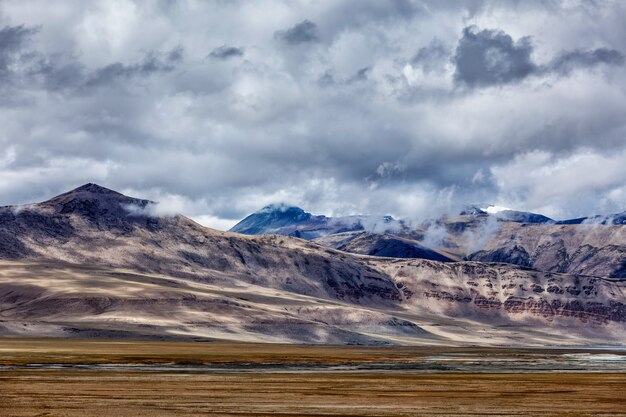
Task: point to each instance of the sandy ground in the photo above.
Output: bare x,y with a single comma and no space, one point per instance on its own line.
69,386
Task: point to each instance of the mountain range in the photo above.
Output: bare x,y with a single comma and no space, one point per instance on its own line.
95,263
594,245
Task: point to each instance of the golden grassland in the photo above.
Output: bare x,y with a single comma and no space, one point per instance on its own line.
62,392
15,351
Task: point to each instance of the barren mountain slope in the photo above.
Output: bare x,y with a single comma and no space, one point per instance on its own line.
347,297
589,249
60,299
591,246
385,245
500,293
96,226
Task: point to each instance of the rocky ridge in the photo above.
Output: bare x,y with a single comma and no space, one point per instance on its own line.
168,275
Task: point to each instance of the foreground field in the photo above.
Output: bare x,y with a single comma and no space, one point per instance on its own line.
62,393
55,377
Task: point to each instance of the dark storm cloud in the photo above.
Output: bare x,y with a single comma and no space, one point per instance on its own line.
151,64
226,52
489,57
56,73
12,37
12,40
569,61
303,32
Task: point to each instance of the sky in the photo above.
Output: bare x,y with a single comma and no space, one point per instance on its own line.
410,108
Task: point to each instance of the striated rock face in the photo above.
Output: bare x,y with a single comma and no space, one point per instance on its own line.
502,292
586,249
104,234
579,248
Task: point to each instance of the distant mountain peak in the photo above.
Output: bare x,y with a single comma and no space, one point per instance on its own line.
272,217
280,208
508,215
96,202
89,191
617,218
91,187
505,214
472,210
388,219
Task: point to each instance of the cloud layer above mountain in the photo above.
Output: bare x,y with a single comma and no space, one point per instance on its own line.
403,107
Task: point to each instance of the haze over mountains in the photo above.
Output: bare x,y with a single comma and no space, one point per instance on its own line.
95,263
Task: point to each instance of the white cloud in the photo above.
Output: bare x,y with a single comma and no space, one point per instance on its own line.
296,123
215,222
495,209
586,181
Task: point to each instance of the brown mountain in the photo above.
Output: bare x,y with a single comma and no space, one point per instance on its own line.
587,248
590,246
95,263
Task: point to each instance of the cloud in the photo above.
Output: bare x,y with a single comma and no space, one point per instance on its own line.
387,169
215,222
476,239
568,61
167,205
152,63
546,182
12,40
303,32
431,57
364,109
23,67
226,52
490,57
13,37
341,16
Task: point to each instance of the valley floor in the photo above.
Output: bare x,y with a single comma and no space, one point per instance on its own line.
67,393
64,377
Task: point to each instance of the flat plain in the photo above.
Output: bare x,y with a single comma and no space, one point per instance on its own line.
65,377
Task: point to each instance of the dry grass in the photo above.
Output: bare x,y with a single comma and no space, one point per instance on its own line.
15,351
25,392
60,393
